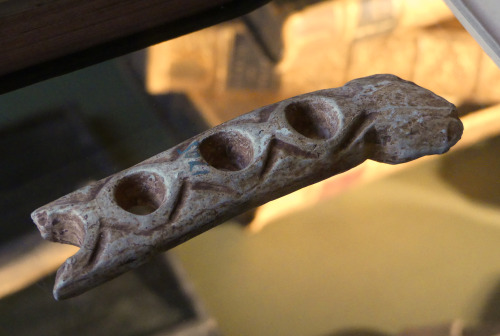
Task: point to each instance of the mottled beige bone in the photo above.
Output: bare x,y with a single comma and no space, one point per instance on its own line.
121,221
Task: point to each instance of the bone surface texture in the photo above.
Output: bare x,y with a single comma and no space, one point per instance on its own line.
123,220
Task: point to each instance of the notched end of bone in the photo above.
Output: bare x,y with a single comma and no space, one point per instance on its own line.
64,286
93,265
407,121
447,132
59,227
75,277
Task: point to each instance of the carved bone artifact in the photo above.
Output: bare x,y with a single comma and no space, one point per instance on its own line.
123,220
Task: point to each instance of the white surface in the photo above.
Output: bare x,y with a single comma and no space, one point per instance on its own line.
480,18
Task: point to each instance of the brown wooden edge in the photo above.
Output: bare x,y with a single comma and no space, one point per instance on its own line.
61,59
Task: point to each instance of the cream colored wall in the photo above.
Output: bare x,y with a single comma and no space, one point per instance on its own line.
408,250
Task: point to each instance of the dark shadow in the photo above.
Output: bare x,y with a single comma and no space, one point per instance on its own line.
475,171
290,6
43,158
483,330
265,26
468,107
245,218
150,301
159,277
179,115
490,313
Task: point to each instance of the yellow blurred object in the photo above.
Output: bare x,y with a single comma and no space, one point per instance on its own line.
329,43
211,67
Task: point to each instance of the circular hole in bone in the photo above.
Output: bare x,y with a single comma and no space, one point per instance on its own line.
311,118
140,193
227,151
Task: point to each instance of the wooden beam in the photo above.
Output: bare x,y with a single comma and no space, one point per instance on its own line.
45,38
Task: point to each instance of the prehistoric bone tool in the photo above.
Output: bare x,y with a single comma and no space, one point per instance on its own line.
121,221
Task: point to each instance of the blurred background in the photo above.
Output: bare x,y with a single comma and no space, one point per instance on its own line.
412,249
